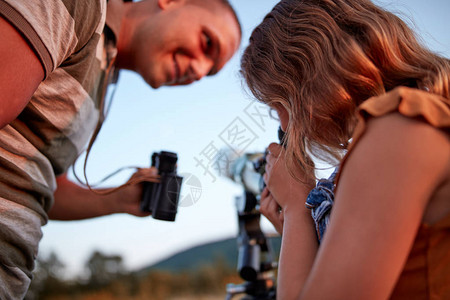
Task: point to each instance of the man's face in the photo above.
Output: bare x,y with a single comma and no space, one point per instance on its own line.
183,43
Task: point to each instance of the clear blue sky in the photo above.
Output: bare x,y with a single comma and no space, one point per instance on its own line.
191,121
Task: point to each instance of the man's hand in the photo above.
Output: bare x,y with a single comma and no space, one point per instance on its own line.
73,202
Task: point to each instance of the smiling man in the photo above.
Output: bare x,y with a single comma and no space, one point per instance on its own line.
175,42
56,61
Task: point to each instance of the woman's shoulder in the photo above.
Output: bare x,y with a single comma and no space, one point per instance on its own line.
413,104
404,135
420,150
397,129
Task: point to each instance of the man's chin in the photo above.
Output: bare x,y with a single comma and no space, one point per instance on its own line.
187,82
157,84
153,84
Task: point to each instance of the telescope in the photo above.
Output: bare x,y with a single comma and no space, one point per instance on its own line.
256,262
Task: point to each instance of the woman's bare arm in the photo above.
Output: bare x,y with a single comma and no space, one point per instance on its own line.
383,192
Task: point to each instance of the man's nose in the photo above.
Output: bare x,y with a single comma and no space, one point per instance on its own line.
201,67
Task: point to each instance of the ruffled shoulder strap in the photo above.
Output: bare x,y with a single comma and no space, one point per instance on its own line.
413,103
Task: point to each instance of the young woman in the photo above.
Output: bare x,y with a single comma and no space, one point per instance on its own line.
351,83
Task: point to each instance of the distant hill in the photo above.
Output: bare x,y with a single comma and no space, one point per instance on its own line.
194,258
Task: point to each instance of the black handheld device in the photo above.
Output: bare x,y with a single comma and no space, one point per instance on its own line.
161,199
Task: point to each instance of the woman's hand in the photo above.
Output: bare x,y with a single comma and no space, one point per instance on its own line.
283,203
271,210
287,192
282,189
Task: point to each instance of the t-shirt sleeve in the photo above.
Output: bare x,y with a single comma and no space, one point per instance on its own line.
54,29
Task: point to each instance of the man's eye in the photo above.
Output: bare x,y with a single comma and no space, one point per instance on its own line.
207,43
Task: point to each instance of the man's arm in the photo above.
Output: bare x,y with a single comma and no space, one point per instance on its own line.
73,202
20,73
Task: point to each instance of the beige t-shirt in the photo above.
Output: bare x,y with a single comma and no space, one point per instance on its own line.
55,126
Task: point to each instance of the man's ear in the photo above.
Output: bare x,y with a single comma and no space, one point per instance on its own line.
167,4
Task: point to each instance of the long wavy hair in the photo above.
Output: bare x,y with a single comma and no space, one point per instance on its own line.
320,59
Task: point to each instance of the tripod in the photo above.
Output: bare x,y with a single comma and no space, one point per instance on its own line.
255,260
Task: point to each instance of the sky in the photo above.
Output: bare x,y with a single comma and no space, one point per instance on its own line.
195,122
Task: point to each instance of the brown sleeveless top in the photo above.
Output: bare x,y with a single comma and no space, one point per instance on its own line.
426,274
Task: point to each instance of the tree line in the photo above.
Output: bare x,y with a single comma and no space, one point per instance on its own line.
107,278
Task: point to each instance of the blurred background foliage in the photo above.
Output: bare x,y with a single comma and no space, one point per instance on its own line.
200,273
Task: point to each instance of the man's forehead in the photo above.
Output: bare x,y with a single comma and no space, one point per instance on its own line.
211,5
219,8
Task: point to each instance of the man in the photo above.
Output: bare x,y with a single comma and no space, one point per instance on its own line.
57,58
